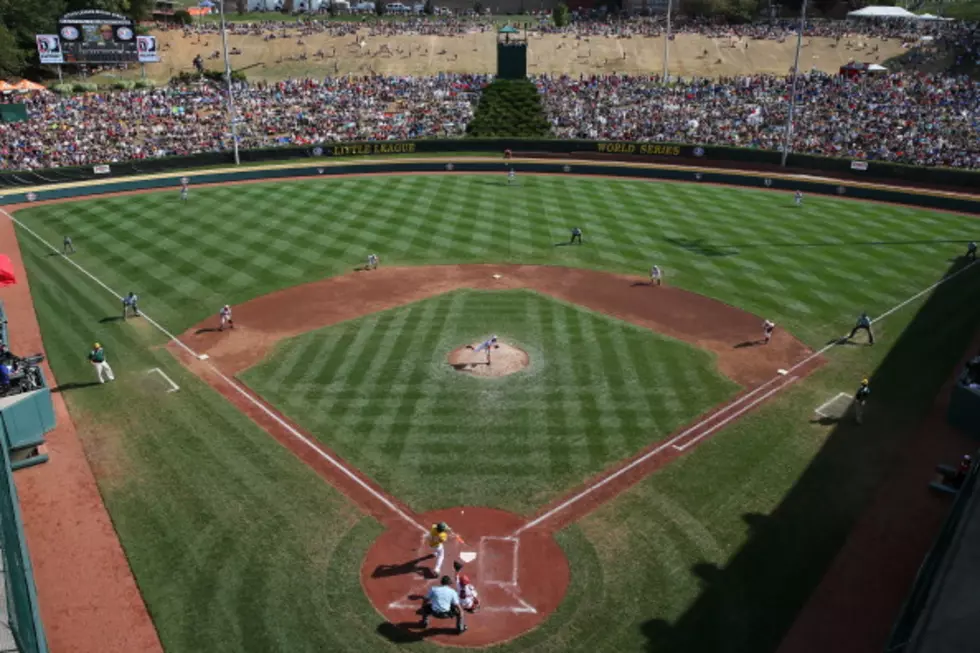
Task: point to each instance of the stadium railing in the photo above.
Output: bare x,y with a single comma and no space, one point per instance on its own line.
651,152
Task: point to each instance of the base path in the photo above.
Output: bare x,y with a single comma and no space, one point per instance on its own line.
709,324
88,597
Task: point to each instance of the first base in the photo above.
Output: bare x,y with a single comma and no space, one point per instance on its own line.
203,357
498,276
783,372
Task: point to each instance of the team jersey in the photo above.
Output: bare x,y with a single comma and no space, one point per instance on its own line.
436,537
862,393
97,355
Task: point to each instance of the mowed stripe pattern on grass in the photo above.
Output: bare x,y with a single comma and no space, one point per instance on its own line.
804,267
380,391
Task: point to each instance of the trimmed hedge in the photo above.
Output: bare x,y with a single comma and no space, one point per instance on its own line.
509,108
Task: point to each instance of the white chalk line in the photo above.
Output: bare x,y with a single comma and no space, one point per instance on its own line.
258,404
173,386
825,405
693,441
564,505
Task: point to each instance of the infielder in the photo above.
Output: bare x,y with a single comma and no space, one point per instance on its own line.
767,328
860,398
798,198
436,539
863,324
225,315
183,189
655,275
68,247
576,236
971,251
129,305
102,369
486,345
372,262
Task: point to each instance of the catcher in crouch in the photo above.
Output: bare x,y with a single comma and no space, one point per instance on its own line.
486,345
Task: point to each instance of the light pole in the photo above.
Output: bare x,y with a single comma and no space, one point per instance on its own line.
667,41
788,140
232,119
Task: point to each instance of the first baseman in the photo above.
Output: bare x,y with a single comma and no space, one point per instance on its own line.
656,276
225,315
372,262
767,328
863,324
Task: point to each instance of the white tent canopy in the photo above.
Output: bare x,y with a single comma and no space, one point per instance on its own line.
876,68
932,17
881,12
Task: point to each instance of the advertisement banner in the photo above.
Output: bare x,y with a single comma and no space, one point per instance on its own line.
49,49
146,47
859,165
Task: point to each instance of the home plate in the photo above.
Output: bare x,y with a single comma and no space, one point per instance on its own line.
498,276
467,556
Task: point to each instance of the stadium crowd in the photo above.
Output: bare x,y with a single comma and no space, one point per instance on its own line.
916,119
121,125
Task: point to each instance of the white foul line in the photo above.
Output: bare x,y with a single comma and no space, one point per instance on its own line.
642,459
173,386
825,405
258,404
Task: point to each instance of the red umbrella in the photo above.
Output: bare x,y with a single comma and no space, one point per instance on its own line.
7,277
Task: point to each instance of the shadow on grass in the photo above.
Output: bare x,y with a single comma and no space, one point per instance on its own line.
406,632
74,386
748,605
111,318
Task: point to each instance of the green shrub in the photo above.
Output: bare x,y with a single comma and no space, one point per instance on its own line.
509,108
123,85
144,83
217,76
62,89
560,15
85,87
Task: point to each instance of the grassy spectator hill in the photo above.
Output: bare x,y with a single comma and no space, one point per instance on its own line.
402,54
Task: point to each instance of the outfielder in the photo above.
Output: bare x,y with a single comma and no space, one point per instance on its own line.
102,369
436,539
767,328
183,188
655,275
971,251
486,345
68,247
863,324
511,176
225,315
576,236
798,198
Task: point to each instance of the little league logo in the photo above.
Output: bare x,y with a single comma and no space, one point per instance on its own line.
31,197
699,151
697,175
567,168
768,182
317,151
449,167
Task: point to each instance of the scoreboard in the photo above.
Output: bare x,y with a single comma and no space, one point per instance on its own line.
98,38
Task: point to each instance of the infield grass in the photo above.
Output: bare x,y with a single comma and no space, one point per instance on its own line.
236,546
379,391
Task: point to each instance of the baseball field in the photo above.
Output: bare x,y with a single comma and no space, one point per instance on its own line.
651,477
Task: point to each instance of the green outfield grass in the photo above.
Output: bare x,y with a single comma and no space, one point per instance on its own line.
236,546
378,390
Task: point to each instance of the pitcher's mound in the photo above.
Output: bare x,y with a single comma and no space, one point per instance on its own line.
504,360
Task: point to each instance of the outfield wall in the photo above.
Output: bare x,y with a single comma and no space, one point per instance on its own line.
855,190
649,152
